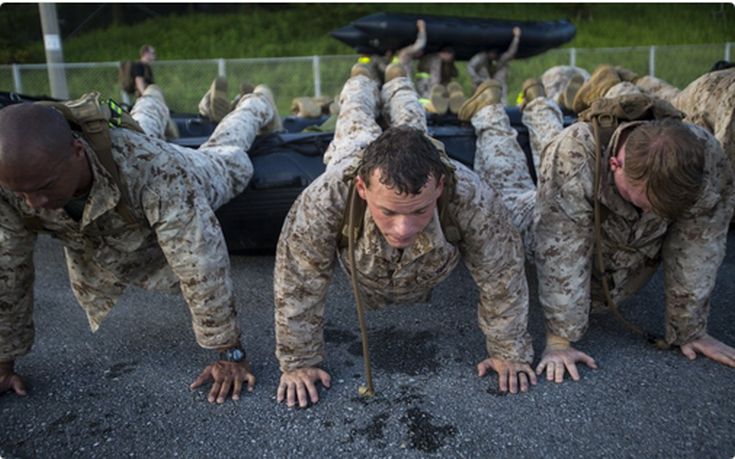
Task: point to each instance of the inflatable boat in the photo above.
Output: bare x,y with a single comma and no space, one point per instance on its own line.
285,163
380,32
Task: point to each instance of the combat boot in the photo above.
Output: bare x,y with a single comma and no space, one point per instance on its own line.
219,105
603,78
570,90
323,102
361,69
456,96
532,88
305,107
275,124
487,93
245,88
438,99
626,74
394,71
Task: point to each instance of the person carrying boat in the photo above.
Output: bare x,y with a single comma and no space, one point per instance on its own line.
436,82
606,214
382,192
129,209
487,65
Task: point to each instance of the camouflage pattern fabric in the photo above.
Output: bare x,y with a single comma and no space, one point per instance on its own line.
176,242
501,162
709,101
556,78
308,245
692,247
658,88
623,88
152,115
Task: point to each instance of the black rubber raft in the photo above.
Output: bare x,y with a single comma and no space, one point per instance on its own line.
285,163
380,32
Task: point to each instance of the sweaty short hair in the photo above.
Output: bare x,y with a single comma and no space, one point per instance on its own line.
406,159
668,158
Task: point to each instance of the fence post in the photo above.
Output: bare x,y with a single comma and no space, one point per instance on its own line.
652,61
728,45
16,79
221,68
573,57
317,76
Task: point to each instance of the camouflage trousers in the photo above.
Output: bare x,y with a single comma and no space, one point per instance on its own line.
556,78
151,112
360,104
221,164
501,162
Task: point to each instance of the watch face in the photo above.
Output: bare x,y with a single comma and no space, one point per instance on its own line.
236,355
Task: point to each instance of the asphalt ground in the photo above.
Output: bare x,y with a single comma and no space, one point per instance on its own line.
124,391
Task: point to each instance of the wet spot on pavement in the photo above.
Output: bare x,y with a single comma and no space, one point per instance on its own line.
423,435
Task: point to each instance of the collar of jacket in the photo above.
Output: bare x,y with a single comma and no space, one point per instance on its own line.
103,195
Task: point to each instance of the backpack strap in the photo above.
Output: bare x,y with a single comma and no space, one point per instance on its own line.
95,119
605,116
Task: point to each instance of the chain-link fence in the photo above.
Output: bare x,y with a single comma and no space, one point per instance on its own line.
185,81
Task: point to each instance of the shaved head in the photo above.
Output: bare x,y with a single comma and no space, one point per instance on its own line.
40,160
30,133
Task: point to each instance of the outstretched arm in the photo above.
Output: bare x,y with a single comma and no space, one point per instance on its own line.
16,291
407,54
510,53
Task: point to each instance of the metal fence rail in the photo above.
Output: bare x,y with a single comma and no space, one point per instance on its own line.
185,81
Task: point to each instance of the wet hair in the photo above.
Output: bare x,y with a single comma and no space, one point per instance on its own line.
406,159
668,158
721,65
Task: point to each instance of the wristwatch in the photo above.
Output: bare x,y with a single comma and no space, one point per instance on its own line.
234,354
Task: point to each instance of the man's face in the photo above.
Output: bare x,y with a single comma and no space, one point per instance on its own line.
45,184
400,217
634,193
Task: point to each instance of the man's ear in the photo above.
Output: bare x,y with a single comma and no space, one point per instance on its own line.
615,163
361,187
77,147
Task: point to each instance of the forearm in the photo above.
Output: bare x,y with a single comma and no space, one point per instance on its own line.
140,85
510,53
195,249
16,286
405,55
299,293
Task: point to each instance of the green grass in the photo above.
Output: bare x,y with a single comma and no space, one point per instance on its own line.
303,30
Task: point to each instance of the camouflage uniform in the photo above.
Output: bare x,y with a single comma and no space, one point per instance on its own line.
151,115
556,78
481,68
657,87
309,243
709,101
431,71
501,162
691,248
175,243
